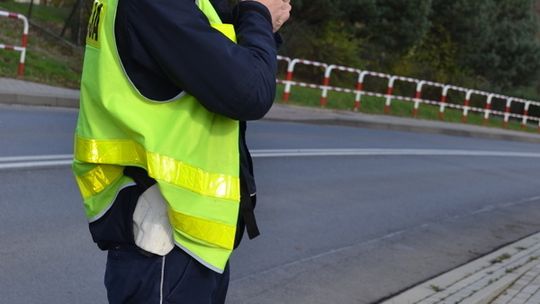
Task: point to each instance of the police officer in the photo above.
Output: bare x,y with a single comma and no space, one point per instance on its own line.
160,153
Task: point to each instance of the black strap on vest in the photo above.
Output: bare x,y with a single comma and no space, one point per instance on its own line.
247,207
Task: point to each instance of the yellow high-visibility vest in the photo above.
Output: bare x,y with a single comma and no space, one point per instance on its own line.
191,153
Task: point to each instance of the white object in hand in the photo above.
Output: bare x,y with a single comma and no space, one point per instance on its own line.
151,227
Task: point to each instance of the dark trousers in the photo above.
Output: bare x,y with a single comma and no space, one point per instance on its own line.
135,278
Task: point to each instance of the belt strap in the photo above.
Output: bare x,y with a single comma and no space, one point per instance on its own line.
248,206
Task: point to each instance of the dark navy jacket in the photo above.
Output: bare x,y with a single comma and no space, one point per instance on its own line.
167,47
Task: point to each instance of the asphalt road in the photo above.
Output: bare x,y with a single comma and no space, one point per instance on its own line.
336,229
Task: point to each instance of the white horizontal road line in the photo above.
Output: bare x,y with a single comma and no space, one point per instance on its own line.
389,152
40,161
36,164
34,158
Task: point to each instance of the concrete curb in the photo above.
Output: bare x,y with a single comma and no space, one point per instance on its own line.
33,100
280,112
43,95
420,129
21,92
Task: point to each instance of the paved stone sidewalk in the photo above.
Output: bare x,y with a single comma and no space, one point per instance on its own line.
510,275
525,290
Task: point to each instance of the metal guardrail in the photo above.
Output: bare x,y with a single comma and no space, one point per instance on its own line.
24,40
359,90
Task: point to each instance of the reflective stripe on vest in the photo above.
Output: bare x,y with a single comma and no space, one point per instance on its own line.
160,167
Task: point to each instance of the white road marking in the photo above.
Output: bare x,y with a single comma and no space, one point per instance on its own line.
41,161
34,158
388,152
340,250
35,164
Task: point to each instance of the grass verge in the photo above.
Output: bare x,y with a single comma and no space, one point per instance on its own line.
375,105
47,60
49,15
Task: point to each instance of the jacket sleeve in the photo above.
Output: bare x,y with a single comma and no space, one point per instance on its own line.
235,80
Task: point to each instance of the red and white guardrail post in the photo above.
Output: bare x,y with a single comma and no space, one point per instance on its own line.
290,71
288,79
444,97
24,40
359,90
466,106
326,80
325,84
525,115
507,111
417,97
287,60
487,110
389,93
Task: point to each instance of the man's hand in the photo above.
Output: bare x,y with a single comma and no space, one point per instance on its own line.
279,10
